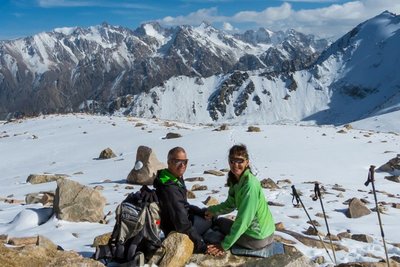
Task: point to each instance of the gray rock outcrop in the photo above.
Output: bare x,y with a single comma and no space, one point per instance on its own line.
78,203
357,209
146,167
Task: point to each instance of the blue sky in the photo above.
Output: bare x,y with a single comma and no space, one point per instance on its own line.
326,18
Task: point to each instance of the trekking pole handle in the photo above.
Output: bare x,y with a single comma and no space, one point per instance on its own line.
370,178
317,192
295,196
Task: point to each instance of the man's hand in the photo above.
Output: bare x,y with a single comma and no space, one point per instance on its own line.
215,250
208,215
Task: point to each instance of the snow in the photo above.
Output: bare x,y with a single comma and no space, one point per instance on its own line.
69,144
65,30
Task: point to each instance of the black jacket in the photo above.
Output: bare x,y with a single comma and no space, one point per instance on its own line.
175,210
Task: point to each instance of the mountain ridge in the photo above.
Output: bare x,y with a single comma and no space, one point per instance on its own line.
203,75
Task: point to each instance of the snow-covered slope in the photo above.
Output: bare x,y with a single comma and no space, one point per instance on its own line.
356,77
69,144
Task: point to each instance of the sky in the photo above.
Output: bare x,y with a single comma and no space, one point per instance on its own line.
324,18
69,144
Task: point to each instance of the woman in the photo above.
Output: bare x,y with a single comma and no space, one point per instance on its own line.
254,226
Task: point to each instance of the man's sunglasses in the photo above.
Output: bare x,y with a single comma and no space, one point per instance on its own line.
236,160
178,162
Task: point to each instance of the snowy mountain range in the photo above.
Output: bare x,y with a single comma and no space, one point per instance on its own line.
202,75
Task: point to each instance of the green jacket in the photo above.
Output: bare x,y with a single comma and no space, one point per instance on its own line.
253,217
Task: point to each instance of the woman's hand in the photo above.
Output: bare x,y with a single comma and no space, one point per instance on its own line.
208,215
215,250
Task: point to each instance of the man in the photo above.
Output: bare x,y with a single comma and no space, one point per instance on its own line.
176,213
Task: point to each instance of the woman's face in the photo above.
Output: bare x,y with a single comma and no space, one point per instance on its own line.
238,164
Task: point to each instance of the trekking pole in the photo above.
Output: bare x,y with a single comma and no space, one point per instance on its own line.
297,197
371,180
317,194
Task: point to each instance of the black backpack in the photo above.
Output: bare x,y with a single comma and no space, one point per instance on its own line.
136,233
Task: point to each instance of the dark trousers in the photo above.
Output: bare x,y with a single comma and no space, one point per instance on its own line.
224,226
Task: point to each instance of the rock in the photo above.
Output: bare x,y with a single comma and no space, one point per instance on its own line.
214,172
342,131
278,238
23,241
291,257
146,167
357,209
3,238
101,239
107,154
396,205
45,198
344,235
393,178
198,187
392,166
253,129
172,135
43,255
78,203
311,231
195,179
284,181
319,260
279,226
223,127
276,204
395,258
369,264
269,184
294,259
362,238
211,201
321,215
315,243
338,188
177,249
315,222
348,126
190,194
44,178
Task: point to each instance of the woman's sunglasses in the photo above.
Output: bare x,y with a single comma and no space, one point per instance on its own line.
236,160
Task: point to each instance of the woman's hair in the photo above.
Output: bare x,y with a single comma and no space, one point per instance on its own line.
241,151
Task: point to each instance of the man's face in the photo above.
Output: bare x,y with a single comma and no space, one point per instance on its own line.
177,164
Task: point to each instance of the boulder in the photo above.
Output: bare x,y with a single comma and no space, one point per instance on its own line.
214,172
269,184
291,257
107,154
362,238
146,167
101,239
210,201
172,135
45,198
198,187
393,178
357,209
77,203
44,253
253,129
315,243
44,178
175,251
392,166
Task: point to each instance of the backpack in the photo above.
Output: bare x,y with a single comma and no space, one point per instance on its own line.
136,233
